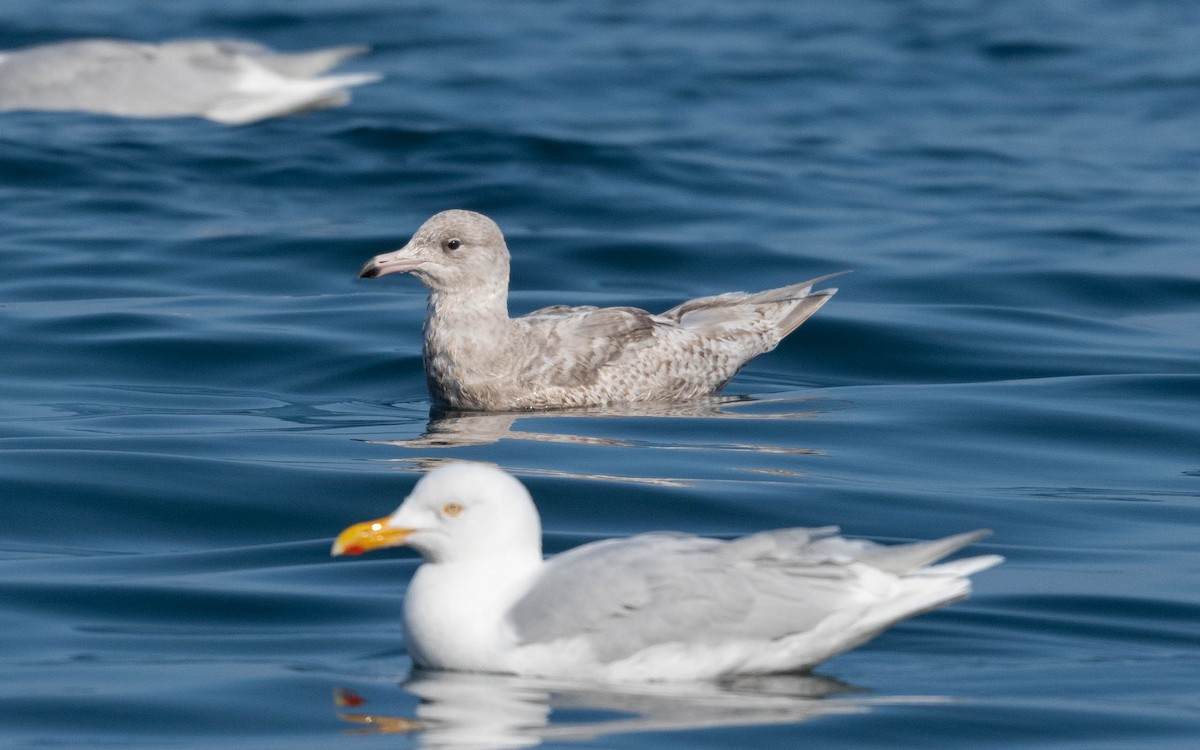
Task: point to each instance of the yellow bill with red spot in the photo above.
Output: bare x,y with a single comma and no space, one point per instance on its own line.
366,536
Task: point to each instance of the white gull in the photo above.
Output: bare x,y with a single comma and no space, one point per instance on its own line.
226,81
652,607
478,358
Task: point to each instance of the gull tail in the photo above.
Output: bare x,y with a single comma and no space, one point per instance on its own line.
902,559
805,301
285,96
787,307
919,588
310,63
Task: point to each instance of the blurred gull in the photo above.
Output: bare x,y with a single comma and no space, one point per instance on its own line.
661,606
230,82
478,358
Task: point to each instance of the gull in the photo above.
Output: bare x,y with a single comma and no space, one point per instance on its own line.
230,82
478,358
651,607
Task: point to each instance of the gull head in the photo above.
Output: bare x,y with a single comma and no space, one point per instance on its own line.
462,511
453,250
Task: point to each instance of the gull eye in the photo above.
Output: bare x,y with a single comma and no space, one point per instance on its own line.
452,509
453,243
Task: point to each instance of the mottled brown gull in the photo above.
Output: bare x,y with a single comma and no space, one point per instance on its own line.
478,358
661,606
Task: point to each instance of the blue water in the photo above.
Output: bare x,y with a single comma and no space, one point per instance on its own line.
196,393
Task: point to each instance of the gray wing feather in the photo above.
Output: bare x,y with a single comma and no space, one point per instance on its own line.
575,342
659,588
637,591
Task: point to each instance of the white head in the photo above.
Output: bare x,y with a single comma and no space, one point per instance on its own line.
457,512
454,250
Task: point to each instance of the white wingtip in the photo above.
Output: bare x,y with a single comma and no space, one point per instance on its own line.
964,567
263,94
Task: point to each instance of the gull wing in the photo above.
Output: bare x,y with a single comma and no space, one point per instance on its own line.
624,595
573,343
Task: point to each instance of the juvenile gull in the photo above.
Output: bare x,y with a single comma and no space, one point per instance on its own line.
478,358
662,606
230,82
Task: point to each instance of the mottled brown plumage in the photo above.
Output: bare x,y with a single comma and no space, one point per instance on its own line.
477,357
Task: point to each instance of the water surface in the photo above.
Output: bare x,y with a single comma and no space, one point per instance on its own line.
196,393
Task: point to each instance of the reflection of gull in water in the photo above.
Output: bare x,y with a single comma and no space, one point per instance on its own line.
226,81
428,464
500,711
455,429
451,429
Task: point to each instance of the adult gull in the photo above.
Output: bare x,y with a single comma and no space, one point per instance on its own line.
478,358
652,607
226,81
